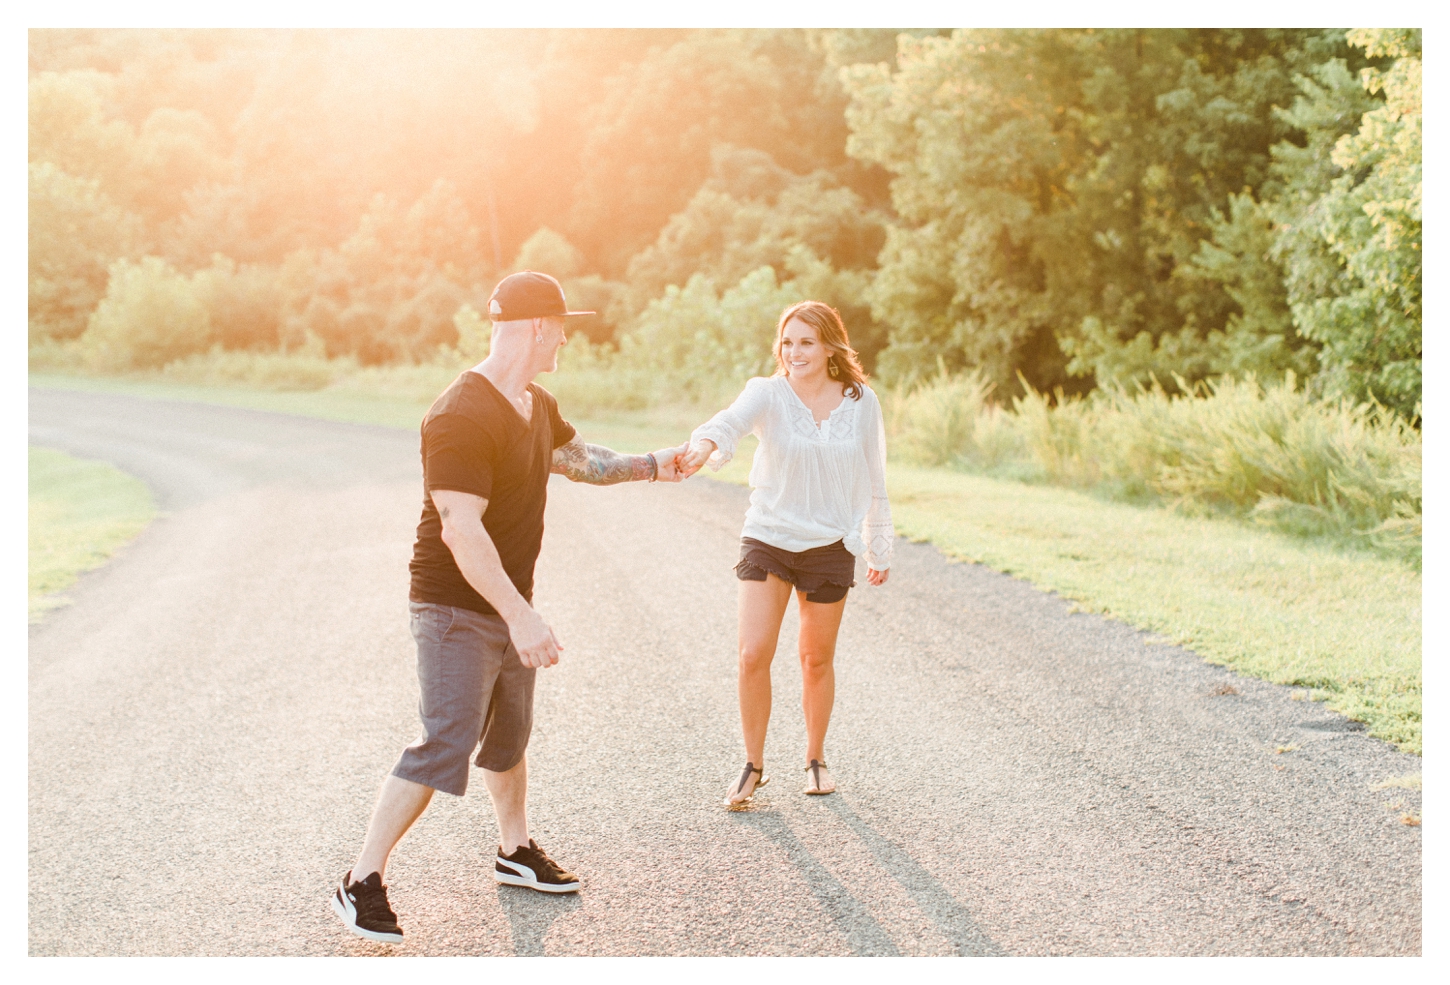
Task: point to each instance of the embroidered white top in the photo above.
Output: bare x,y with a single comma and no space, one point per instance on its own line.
813,484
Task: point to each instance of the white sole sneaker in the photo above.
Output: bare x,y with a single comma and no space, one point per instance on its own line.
347,913
522,875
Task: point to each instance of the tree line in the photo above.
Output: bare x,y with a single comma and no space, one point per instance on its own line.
1069,208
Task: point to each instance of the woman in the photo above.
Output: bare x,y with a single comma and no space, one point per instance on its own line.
819,502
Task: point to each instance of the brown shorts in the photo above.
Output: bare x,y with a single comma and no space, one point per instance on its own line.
824,574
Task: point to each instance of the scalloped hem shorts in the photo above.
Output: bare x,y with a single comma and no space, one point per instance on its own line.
473,693
823,574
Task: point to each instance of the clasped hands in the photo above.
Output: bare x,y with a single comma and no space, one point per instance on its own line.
682,461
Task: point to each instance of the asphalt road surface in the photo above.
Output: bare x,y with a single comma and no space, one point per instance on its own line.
211,718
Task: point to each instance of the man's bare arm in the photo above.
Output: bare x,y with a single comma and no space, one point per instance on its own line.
600,466
477,558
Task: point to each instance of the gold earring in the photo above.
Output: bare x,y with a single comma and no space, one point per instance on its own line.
832,368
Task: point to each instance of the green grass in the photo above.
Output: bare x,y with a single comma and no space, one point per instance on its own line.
1343,623
81,512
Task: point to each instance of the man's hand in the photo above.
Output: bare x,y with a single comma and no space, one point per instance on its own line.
695,457
875,577
534,640
477,558
669,462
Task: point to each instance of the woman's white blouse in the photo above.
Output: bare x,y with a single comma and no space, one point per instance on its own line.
813,485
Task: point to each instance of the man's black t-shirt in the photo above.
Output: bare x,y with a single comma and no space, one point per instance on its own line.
474,441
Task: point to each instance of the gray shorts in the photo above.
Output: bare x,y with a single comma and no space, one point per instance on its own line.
472,692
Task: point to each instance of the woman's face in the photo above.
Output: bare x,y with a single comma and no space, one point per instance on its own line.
802,351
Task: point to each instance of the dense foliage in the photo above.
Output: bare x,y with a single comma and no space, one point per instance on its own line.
1064,208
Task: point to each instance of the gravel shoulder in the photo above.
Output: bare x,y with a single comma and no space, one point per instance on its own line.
1016,778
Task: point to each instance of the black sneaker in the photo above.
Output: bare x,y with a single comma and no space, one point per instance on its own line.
529,866
363,907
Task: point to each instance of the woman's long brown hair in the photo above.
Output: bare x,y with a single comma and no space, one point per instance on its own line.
842,363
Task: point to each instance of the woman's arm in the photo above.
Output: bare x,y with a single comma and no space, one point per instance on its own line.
877,531
716,439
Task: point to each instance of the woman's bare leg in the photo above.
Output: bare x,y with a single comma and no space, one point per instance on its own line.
820,622
762,607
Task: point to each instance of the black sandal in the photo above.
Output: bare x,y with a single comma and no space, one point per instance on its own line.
814,769
740,785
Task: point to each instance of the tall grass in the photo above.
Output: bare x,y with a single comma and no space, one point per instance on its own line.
1272,454
263,370
1268,453
591,379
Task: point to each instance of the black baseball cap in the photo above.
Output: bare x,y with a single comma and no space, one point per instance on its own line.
529,294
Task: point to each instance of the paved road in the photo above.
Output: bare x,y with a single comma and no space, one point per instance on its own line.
211,718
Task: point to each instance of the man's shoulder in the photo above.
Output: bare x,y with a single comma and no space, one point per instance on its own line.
463,406
469,395
546,408
544,394
447,402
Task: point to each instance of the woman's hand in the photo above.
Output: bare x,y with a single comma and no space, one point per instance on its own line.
667,461
877,577
695,458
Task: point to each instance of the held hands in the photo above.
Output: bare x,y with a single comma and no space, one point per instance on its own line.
875,577
535,642
695,456
669,463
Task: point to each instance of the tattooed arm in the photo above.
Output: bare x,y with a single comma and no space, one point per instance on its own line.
601,466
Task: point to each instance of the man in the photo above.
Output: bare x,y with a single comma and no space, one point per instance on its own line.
489,443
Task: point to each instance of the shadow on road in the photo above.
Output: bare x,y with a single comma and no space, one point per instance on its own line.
531,914
930,896
863,934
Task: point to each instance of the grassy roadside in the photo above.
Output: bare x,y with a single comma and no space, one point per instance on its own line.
81,512
1343,625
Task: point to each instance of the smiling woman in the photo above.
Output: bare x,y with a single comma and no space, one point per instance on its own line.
818,503
81,512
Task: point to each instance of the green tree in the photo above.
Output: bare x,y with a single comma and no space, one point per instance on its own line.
1054,188
652,134
151,315
243,303
1351,221
147,172
70,130
75,234
752,213
274,148
550,253
1258,337
704,343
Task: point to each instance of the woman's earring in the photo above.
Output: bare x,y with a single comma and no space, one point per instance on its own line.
831,367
